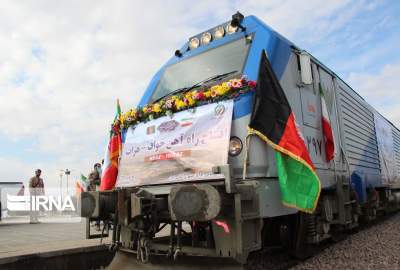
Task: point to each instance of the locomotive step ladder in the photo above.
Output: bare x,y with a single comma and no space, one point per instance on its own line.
344,203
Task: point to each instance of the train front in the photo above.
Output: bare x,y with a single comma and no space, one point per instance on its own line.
185,185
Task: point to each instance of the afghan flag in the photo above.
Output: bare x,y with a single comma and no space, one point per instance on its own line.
113,151
274,122
327,128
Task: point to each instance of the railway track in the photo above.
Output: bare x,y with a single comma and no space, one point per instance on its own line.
375,245
372,246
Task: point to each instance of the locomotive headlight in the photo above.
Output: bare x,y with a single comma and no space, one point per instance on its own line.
194,43
206,38
235,146
219,32
231,29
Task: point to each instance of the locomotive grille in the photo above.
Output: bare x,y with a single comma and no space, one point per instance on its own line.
359,131
396,144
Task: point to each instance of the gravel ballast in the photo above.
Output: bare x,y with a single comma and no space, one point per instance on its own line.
375,247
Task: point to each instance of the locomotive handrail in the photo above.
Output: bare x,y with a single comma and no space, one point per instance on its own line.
246,155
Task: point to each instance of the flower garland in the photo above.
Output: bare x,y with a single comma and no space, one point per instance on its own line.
186,100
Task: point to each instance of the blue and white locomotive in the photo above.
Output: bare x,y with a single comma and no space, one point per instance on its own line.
237,209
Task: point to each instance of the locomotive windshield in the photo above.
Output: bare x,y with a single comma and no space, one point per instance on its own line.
223,59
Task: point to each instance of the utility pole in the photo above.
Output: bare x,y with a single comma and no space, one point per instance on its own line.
61,175
67,173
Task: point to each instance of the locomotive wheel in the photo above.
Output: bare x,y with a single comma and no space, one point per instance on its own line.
289,233
300,248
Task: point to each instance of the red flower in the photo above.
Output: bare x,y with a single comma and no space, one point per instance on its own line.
251,84
200,96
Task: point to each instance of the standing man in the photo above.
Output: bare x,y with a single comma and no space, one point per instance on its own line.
36,188
95,177
94,183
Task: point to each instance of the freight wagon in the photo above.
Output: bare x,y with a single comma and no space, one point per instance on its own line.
198,183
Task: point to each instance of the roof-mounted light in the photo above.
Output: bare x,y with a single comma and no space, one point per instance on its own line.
219,32
231,29
194,43
206,38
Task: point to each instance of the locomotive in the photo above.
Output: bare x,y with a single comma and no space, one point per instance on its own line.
219,195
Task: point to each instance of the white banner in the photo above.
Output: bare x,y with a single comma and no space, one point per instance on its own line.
384,138
178,148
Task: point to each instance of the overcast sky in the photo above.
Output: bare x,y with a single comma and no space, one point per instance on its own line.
64,63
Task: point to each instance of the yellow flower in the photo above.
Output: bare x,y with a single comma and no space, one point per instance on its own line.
132,113
207,93
122,118
156,108
225,85
188,95
225,88
193,93
180,104
214,88
190,101
220,91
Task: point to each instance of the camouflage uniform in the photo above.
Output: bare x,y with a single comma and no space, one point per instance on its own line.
94,180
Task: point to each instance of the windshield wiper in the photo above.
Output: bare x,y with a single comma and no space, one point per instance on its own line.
215,77
186,89
176,91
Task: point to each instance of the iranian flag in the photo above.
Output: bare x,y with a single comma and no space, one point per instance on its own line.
274,122
79,188
110,166
327,129
82,184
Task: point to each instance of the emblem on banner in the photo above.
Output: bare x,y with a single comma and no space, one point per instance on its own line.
186,122
150,130
219,110
168,126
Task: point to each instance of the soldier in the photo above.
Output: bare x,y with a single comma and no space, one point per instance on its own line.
95,177
94,182
36,188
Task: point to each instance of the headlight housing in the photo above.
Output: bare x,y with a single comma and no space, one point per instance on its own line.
219,32
231,29
206,38
194,43
235,146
